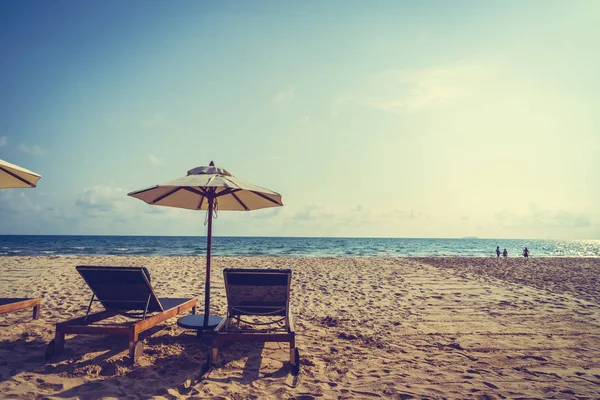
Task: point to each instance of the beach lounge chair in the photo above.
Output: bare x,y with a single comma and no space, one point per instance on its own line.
14,304
125,291
257,292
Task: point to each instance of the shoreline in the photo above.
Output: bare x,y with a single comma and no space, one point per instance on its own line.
454,327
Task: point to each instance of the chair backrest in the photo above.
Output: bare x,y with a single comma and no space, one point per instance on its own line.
257,291
11,300
121,288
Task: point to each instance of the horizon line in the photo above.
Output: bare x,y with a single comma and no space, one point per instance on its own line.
307,237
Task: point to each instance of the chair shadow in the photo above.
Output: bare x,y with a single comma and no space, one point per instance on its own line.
178,372
251,369
35,359
28,350
173,375
177,367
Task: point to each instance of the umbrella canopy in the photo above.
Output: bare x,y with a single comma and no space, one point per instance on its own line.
202,184
13,176
211,189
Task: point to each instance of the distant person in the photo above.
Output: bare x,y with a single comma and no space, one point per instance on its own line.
498,251
505,253
526,252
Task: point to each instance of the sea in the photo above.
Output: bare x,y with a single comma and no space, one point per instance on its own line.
235,246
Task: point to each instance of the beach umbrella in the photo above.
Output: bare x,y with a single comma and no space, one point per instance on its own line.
212,189
13,176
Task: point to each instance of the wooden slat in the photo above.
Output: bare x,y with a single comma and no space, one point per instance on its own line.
124,330
19,305
79,325
148,323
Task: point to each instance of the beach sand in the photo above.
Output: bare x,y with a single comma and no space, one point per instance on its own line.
366,328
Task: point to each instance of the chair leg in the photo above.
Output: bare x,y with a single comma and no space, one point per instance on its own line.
294,356
296,361
214,352
59,342
136,348
293,360
36,311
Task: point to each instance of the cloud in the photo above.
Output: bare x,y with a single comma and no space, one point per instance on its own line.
558,218
104,204
358,215
285,97
51,213
266,213
20,212
113,203
409,90
3,141
328,220
538,217
155,120
14,203
98,210
33,150
19,215
156,210
101,200
317,212
154,160
578,220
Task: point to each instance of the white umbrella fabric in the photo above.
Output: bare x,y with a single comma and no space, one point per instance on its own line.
13,176
212,189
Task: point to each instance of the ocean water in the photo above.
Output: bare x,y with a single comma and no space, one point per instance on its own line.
30,245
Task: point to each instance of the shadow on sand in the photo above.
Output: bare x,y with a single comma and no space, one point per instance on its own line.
173,363
178,367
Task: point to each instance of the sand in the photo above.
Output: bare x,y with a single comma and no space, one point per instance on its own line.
366,328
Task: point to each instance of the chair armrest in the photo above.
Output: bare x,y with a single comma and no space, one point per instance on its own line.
221,324
290,319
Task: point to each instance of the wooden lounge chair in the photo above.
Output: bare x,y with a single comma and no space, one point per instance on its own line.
14,304
257,292
126,291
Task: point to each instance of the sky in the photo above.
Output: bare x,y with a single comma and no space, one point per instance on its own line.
371,119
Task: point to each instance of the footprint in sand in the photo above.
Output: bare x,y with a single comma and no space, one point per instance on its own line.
46,385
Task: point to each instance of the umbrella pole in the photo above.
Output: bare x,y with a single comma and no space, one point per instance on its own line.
208,253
